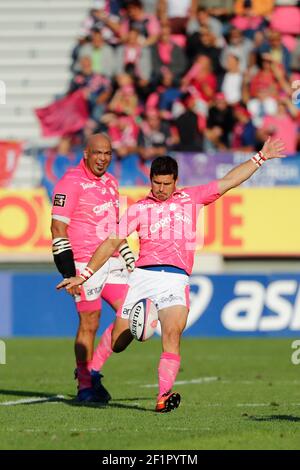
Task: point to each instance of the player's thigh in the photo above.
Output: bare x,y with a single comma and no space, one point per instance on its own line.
173,319
116,284
121,336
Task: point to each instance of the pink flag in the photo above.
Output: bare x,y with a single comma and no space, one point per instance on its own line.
64,116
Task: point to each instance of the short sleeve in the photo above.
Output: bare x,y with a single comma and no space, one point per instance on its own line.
65,198
205,193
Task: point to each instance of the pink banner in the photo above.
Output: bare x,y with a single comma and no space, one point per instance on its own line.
64,116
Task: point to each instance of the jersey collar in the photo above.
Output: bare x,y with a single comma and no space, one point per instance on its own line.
91,175
153,198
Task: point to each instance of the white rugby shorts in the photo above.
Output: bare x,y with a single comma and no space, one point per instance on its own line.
112,272
163,288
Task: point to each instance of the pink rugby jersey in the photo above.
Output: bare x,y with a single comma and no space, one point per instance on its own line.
89,205
167,229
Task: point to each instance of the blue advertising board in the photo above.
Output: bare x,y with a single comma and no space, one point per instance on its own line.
221,305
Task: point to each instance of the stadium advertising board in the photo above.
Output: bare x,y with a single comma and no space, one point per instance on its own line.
199,168
248,221
221,305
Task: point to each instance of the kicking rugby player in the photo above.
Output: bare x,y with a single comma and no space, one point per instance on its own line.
166,224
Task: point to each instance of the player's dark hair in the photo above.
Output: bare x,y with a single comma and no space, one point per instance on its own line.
164,166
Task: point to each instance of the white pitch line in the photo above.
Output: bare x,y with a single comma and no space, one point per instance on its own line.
24,401
201,380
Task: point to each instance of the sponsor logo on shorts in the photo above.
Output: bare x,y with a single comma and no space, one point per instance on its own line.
60,200
93,291
171,299
126,312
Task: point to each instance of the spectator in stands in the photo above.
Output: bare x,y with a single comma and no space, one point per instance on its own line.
205,20
204,43
165,53
282,125
220,124
97,88
124,100
101,19
123,132
201,78
278,52
239,46
270,78
248,24
81,41
261,106
244,132
154,138
102,55
166,94
189,133
295,58
134,58
136,18
176,13
233,79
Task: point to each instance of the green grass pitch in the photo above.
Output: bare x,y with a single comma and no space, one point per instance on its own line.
236,394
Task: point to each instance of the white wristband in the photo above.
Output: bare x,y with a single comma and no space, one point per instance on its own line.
259,159
86,273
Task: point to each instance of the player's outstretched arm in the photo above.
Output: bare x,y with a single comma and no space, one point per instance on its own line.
100,256
273,148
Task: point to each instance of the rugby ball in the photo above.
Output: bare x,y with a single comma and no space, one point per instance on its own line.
143,319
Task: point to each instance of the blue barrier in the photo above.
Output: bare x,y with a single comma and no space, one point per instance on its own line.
221,305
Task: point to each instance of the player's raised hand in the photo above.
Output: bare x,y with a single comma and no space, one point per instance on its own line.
72,285
273,148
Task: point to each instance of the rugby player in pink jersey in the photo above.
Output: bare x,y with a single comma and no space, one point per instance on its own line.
166,224
85,208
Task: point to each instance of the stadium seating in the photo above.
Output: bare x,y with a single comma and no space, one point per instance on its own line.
36,38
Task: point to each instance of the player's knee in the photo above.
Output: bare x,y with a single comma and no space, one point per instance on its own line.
171,336
89,324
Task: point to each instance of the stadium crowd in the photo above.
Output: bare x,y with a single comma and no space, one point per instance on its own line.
189,75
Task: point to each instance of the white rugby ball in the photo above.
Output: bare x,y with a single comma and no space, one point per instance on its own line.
143,319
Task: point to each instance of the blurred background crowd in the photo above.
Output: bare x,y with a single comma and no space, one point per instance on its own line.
188,75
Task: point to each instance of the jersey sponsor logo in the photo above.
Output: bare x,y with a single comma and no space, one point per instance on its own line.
160,224
104,207
59,200
88,185
147,206
165,222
